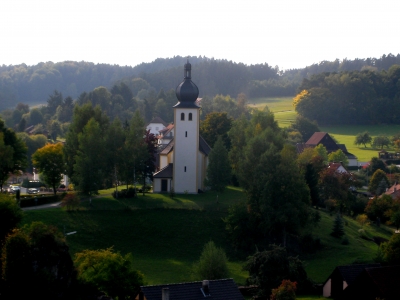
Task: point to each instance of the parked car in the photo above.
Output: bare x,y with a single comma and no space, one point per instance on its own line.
32,191
13,188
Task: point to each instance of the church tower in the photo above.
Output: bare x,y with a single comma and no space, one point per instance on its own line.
186,123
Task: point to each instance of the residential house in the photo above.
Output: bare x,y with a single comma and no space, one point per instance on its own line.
394,190
331,146
155,125
222,289
341,277
375,283
338,167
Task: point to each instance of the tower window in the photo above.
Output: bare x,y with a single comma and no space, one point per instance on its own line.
185,168
190,116
185,133
182,117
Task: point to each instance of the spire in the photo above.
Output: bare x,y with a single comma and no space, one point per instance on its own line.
187,92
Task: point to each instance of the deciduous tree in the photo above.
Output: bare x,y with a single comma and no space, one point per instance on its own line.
109,272
219,169
50,162
363,139
213,263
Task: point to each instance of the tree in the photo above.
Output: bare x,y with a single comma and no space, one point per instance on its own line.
219,169
37,254
362,219
10,216
89,167
50,162
378,207
376,164
363,138
216,124
110,272
338,229
267,269
306,127
381,141
321,150
395,219
391,250
10,139
376,180
213,263
338,156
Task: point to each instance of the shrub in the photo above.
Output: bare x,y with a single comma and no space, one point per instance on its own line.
213,263
286,291
71,202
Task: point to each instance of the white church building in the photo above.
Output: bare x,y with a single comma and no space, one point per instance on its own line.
183,162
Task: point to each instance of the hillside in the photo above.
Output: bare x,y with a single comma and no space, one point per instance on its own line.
166,236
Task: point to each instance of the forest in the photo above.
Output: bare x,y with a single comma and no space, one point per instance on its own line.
33,84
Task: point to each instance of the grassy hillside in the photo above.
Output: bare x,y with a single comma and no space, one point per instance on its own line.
166,236
285,114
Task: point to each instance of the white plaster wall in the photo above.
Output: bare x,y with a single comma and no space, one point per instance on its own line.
326,290
185,150
163,161
156,185
353,162
153,126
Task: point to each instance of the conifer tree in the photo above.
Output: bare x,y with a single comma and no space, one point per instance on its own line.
338,230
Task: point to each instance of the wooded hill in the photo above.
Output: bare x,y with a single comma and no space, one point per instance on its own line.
33,84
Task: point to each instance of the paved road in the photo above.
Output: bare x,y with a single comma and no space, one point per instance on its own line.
51,205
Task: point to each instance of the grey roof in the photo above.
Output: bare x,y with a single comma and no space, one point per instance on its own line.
203,146
165,172
187,92
168,148
158,120
222,289
349,273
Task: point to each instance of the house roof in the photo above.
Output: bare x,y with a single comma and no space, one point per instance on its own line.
157,120
168,148
349,273
221,289
166,172
335,166
394,190
323,138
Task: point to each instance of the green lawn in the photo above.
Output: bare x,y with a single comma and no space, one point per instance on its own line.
285,115
166,236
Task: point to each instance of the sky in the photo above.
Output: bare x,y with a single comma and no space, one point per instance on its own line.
284,33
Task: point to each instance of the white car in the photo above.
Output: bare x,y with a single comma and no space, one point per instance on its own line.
14,188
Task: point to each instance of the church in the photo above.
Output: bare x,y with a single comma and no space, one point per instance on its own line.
183,162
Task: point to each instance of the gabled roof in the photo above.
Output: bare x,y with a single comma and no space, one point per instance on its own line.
323,138
168,148
203,146
157,120
222,289
394,190
349,273
166,172
336,165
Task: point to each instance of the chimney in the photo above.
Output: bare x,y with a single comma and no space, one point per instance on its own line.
165,294
205,288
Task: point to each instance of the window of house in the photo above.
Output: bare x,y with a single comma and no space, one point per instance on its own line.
182,117
190,116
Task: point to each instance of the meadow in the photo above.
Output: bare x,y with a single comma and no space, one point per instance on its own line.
166,236
285,115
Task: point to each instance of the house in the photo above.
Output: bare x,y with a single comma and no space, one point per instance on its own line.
338,167
394,190
375,283
165,136
155,125
329,143
342,277
221,289
183,157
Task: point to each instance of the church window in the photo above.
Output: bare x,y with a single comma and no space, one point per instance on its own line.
185,133
182,117
190,116
185,168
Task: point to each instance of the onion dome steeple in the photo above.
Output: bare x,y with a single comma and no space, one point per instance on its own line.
187,92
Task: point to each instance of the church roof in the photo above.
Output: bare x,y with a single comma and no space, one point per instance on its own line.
203,146
187,92
165,172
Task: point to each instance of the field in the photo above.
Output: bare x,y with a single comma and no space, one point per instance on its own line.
166,236
285,114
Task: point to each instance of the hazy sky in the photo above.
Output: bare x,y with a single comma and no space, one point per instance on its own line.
287,33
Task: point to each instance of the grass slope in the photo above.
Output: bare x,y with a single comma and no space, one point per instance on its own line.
285,115
166,236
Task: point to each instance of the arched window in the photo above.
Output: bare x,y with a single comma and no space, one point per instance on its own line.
190,116
182,116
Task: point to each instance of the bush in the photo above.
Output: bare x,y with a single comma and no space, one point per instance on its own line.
125,193
70,201
286,291
213,263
